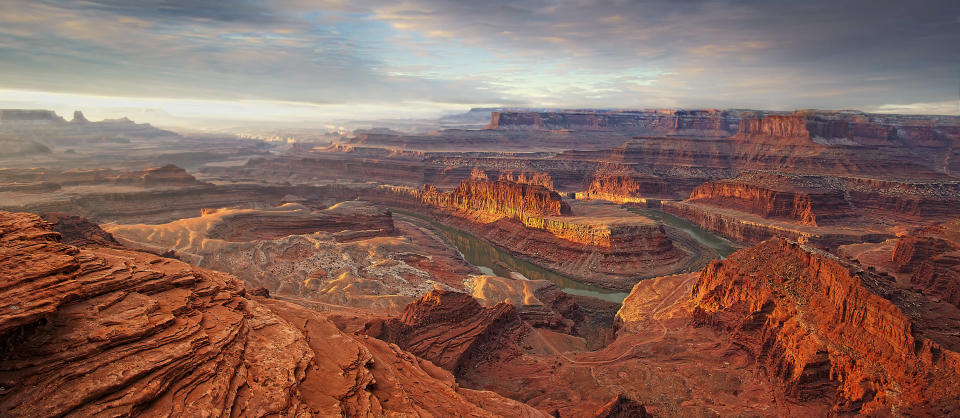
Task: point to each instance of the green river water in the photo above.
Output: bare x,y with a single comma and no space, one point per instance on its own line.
491,260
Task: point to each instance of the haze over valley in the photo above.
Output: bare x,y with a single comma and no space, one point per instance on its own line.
438,208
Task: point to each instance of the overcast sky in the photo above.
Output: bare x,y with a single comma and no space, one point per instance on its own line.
363,59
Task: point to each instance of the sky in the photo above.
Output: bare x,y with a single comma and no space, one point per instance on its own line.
300,60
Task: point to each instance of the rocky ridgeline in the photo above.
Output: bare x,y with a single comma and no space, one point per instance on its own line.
805,200
823,330
853,129
453,331
794,126
626,189
932,259
703,122
825,127
111,332
165,176
931,200
29,116
346,221
498,199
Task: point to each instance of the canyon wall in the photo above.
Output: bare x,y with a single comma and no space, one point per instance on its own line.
805,200
498,199
454,332
822,329
739,229
930,200
932,259
108,332
794,126
627,189
703,122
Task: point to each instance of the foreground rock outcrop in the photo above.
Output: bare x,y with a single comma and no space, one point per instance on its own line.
106,332
825,331
454,332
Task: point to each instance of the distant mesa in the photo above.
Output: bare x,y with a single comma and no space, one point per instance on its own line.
30,116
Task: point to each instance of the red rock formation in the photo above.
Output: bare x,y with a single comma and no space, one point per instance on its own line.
76,230
498,199
930,200
825,332
101,331
802,199
797,125
626,188
932,258
453,331
538,179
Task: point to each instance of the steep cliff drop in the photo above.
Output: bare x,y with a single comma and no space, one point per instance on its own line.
104,332
825,331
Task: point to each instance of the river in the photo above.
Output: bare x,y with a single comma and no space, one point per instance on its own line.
493,261
723,247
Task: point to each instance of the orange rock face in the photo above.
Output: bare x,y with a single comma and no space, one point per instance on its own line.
797,125
626,189
106,332
932,259
498,199
454,332
824,331
805,200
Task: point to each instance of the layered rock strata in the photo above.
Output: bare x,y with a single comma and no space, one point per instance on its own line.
932,261
707,122
498,199
600,243
454,332
752,229
824,330
350,254
106,332
805,200
627,189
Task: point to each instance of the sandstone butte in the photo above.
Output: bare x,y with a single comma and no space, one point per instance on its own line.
101,331
621,188
824,330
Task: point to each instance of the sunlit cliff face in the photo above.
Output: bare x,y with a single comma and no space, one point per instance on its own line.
325,60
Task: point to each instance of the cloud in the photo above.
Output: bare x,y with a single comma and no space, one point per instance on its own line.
379,53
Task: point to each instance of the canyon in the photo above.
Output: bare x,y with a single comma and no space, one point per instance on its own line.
108,331
573,263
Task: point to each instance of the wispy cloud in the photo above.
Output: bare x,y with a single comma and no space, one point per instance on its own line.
379,53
